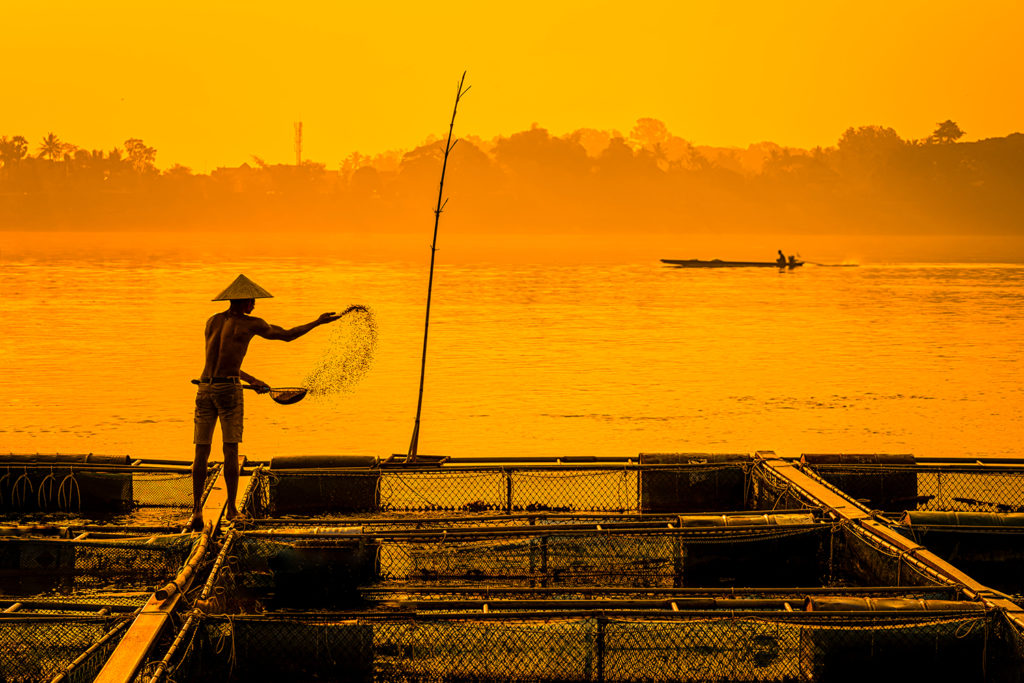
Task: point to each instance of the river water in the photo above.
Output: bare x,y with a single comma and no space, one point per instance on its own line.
538,346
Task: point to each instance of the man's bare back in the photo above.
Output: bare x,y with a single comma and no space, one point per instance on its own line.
227,339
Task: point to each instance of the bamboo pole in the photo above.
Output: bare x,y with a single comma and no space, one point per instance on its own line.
414,444
60,606
652,519
184,577
783,592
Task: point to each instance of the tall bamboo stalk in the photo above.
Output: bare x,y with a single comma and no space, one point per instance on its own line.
449,145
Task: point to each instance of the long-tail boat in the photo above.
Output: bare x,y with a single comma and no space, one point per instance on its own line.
718,263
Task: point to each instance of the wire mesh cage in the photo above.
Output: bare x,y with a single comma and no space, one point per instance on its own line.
969,515
37,565
896,487
48,647
295,568
509,489
66,493
472,584
570,647
991,553
300,569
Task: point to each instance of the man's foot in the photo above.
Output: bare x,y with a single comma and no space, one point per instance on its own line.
232,515
195,523
238,518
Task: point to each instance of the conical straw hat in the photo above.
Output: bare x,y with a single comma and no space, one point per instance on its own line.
243,288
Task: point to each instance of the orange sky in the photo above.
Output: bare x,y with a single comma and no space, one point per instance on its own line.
211,87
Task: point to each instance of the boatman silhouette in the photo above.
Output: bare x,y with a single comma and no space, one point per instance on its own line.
219,396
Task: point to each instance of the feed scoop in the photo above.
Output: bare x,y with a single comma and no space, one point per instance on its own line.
283,395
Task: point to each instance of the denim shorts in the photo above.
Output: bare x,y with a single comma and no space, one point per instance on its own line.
222,401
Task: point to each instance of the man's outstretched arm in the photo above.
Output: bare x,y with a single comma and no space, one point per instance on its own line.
268,331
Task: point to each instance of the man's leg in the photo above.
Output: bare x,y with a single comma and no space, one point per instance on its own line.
199,485
231,477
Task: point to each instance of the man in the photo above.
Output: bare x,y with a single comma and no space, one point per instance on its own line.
220,390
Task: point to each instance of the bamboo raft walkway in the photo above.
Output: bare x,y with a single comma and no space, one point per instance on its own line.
142,635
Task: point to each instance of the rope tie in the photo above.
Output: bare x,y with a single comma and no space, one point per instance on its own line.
965,628
19,490
44,498
984,652
3,484
261,482
783,493
748,481
219,644
64,495
232,658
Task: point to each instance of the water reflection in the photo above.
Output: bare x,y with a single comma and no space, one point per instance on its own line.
577,358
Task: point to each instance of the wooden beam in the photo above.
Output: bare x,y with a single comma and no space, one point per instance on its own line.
849,510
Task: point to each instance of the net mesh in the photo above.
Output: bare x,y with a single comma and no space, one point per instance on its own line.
309,564
41,647
799,647
509,489
77,494
993,555
770,491
896,488
35,566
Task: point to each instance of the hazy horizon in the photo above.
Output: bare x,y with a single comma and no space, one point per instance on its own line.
459,250
648,180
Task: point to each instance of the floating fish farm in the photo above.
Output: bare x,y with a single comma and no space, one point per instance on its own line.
659,567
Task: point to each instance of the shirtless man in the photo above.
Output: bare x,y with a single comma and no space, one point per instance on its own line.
220,390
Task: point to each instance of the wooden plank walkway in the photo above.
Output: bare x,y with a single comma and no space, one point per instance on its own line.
142,635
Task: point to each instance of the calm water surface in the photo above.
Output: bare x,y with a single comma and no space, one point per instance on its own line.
537,356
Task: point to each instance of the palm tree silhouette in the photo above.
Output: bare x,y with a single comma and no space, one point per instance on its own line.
52,148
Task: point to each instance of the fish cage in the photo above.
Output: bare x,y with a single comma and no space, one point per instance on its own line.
575,633
944,640
47,638
67,594
651,483
988,546
894,484
298,567
971,514
295,562
72,560
86,488
762,584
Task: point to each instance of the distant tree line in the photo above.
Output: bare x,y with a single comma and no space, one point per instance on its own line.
871,181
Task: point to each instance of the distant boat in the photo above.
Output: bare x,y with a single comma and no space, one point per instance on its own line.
718,263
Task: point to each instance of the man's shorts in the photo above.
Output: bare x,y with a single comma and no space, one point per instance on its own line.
222,401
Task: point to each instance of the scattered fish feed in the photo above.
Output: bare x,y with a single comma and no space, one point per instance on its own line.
350,347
